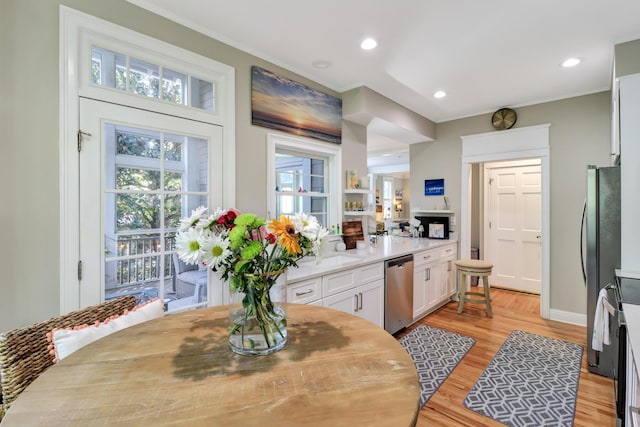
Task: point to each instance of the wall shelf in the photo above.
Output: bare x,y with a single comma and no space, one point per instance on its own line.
301,193
358,191
358,213
432,211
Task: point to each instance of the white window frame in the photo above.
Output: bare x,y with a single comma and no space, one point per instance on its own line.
78,32
333,154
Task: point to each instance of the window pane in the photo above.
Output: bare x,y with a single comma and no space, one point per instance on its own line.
202,94
173,212
137,179
144,78
134,276
138,144
195,152
137,211
305,176
174,86
172,181
108,68
172,149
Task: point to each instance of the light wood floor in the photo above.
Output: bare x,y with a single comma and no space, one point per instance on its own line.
511,311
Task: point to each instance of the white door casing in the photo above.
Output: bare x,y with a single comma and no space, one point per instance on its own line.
513,225
519,143
78,32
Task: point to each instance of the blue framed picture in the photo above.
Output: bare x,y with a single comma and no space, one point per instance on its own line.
434,187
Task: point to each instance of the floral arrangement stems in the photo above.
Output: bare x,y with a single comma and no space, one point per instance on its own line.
258,324
252,256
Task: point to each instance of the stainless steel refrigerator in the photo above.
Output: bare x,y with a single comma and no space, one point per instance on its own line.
601,228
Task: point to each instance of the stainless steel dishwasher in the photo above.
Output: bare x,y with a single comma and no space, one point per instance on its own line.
398,290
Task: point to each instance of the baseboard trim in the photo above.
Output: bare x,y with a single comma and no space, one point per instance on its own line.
568,317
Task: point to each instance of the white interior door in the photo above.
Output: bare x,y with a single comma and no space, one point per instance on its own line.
140,172
514,227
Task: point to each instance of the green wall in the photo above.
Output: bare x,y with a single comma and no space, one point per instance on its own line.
579,135
29,165
29,221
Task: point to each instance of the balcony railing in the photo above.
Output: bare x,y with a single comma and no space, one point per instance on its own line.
138,268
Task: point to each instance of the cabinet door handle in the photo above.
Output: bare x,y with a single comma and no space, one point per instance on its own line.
360,306
299,294
426,257
448,265
356,297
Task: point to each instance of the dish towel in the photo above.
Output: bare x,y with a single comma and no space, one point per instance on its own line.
601,321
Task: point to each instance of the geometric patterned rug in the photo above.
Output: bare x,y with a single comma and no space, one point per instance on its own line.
531,381
435,354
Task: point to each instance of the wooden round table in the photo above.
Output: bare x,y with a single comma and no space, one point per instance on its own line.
336,370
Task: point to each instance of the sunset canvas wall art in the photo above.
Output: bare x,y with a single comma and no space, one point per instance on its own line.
283,104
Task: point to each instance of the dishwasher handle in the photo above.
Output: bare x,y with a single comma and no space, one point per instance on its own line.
398,262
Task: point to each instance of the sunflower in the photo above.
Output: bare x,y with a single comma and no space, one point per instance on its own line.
286,232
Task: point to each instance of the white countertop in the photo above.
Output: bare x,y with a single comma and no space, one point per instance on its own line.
387,247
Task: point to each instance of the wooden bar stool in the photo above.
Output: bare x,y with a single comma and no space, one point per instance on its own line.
473,267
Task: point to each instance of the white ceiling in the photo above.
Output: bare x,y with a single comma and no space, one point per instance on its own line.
485,54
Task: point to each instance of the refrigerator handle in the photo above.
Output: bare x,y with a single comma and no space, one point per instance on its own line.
582,226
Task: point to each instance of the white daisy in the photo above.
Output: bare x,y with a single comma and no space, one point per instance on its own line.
215,249
305,224
193,219
188,245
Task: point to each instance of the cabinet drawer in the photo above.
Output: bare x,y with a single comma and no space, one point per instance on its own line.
447,251
424,257
340,281
305,292
372,272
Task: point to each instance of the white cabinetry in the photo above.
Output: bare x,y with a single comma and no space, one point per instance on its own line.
358,291
629,171
447,274
425,278
305,292
434,279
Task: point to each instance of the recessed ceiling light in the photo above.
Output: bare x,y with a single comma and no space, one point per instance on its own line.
439,94
368,44
322,64
571,62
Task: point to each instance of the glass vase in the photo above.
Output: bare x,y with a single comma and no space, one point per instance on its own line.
257,315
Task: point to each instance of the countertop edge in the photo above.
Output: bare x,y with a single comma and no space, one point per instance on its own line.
387,247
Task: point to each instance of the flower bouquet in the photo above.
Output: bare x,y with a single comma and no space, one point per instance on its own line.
252,256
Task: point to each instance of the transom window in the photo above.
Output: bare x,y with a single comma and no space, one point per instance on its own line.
119,71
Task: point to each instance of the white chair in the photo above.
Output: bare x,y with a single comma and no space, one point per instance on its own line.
186,277
199,295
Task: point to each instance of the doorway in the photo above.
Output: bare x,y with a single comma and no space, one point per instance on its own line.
513,144
512,224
